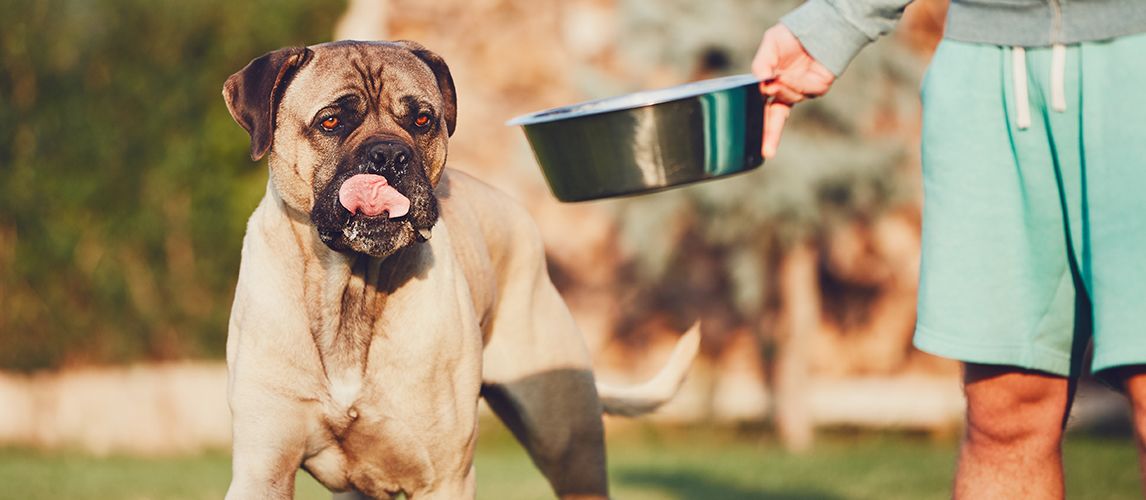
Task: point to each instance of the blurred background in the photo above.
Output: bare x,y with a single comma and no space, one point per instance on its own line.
125,188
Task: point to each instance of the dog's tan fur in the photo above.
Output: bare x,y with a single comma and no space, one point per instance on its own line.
366,370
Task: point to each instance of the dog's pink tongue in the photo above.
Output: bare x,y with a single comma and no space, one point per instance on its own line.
372,195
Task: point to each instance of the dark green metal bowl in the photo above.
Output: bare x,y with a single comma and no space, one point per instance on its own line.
648,141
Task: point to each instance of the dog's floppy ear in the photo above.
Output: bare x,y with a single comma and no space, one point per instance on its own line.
445,80
253,94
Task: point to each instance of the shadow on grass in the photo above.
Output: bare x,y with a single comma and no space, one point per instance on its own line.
692,485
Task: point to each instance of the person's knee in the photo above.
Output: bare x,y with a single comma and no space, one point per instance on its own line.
1133,382
1009,407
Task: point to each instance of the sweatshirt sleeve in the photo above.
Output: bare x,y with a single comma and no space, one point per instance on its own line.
834,31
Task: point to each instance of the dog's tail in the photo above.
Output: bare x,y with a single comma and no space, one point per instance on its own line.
631,401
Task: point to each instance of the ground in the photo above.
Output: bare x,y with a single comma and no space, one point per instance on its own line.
646,463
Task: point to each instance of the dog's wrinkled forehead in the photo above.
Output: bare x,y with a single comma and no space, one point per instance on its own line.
372,76
382,76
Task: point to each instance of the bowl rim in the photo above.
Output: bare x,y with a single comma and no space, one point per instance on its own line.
634,100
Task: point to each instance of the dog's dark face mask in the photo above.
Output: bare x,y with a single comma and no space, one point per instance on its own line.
357,135
380,198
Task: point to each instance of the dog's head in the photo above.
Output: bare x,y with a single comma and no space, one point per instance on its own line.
356,134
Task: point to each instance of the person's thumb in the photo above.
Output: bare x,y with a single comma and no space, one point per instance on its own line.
775,114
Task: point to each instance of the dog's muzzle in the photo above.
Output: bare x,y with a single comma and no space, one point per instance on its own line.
379,201
371,191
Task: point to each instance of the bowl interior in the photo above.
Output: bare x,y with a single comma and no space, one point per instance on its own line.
634,100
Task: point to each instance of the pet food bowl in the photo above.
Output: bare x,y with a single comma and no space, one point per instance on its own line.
648,141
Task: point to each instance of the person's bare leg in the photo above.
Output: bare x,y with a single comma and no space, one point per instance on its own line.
1134,379
1012,447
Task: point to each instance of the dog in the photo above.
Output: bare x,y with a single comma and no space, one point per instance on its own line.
381,294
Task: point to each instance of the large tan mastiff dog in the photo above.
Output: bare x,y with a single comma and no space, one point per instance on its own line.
358,344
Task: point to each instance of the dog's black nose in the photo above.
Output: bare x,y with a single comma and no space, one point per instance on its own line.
388,157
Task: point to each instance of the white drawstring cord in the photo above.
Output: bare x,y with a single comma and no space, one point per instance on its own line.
1058,77
1019,75
1022,92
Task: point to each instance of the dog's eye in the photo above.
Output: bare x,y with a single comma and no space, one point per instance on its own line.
330,123
422,120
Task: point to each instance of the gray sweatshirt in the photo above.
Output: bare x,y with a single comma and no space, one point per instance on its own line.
834,31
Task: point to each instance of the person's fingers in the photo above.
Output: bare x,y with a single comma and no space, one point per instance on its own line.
779,91
781,58
813,80
788,75
775,114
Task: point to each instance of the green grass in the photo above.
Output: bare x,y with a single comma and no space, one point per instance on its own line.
646,463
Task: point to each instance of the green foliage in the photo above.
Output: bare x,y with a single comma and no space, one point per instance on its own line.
124,184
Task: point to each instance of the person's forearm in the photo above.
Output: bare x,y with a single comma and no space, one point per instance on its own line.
834,31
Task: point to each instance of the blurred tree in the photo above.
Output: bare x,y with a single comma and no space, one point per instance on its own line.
748,254
124,184
843,157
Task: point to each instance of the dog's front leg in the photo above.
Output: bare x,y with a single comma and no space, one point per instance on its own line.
265,461
269,440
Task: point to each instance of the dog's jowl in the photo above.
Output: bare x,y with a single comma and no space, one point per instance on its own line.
381,294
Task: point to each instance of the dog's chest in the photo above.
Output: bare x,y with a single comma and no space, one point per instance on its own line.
397,409
363,446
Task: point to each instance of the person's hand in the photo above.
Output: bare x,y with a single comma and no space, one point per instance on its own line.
788,75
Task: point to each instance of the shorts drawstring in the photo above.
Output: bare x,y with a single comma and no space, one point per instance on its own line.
1058,77
1022,100
1022,91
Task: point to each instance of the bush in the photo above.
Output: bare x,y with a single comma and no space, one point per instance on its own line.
124,184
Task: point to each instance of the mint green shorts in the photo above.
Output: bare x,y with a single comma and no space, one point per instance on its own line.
1034,239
